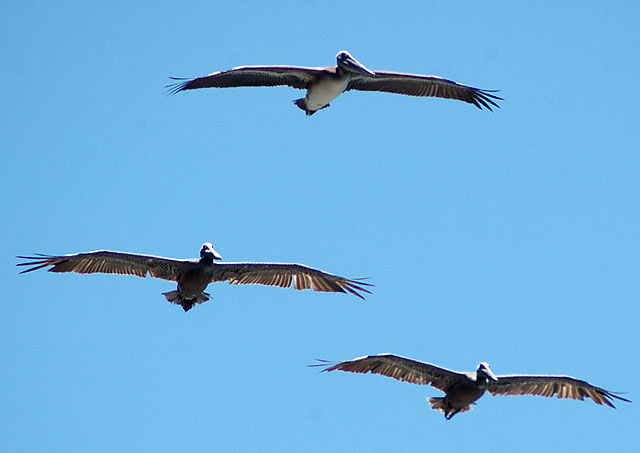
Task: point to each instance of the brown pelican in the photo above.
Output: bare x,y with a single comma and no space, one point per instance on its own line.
323,84
463,389
194,275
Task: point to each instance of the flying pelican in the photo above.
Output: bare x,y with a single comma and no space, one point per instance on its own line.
324,84
463,389
194,275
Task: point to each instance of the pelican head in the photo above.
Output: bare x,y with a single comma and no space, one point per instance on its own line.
485,372
207,251
348,63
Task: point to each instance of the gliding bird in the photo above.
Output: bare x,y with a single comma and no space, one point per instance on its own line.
463,389
323,84
194,275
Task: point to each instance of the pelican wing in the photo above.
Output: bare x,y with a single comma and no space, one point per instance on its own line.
548,386
108,262
424,86
402,369
282,275
251,76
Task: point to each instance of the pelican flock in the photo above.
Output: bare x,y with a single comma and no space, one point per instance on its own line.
324,84
194,275
462,389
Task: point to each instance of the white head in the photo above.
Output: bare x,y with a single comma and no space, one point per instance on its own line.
208,251
348,63
484,371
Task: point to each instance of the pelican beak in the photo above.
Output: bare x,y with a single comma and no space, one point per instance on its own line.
353,65
208,250
490,374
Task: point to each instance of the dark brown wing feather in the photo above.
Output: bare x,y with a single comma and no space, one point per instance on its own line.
107,262
283,275
251,76
424,86
402,369
548,386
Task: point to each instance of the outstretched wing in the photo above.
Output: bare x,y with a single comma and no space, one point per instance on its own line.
400,368
108,262
283,275
423,86
548,386
250,76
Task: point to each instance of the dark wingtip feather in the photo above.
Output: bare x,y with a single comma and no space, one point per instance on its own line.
615,395
327,365
36,266
38,262
357,284
174,88
484,98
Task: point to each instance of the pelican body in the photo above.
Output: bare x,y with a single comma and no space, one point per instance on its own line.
463,389
330,83
324,84
194,275
463,393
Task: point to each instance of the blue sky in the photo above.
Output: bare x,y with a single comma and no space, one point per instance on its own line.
508,237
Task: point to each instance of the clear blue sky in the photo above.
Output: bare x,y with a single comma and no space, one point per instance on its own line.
508,237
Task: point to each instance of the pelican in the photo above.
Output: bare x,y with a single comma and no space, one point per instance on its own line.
324,84
463,389
194,275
